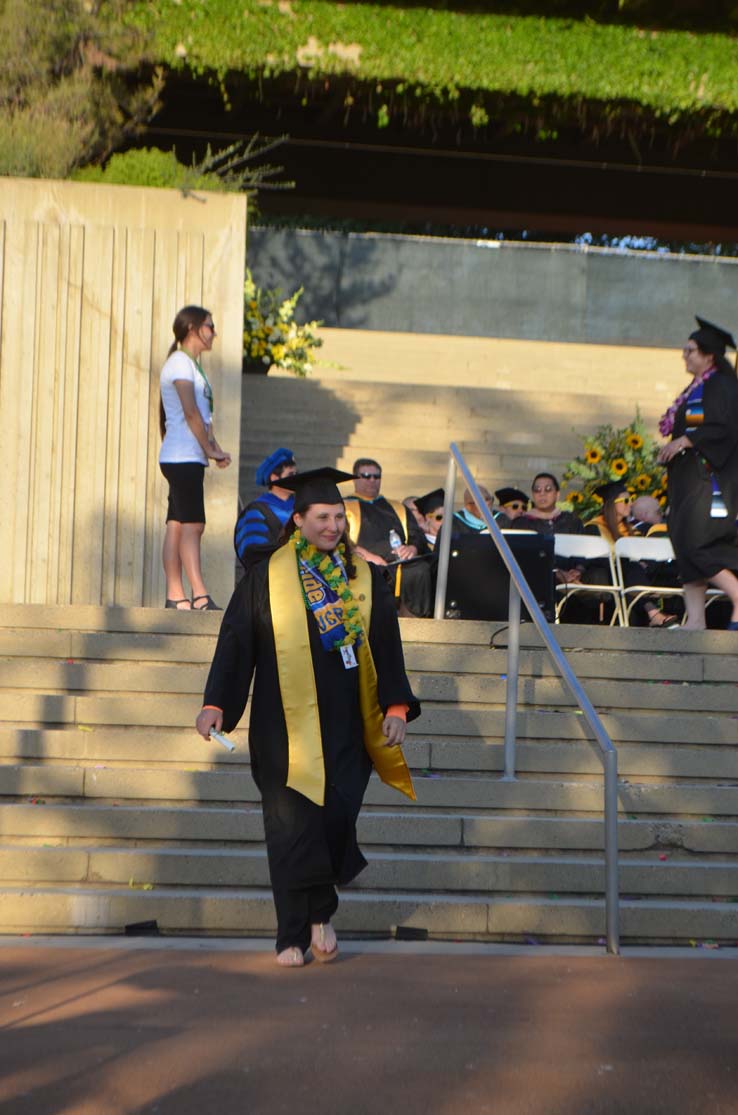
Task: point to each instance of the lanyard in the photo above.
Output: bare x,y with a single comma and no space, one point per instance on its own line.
207,390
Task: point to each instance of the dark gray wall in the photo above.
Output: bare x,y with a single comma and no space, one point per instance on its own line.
537,292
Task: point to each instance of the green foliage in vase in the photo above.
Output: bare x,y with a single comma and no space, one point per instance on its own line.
626,454
270,333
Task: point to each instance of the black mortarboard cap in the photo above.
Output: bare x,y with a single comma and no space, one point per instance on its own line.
318,485
507,495
611,489
712,338
431,501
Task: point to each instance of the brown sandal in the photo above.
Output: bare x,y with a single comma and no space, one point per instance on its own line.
666,620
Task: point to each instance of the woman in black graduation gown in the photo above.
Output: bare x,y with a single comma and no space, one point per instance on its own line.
702,462
328,704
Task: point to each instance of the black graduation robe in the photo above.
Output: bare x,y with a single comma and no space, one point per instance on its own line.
378,518
307,845
566,522
703,545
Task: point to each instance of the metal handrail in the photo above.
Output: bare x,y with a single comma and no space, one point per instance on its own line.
520,590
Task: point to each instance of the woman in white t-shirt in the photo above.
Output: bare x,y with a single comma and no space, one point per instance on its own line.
185,420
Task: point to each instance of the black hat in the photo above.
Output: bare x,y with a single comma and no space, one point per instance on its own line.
318,485
712,338
611,489
431,501
509,495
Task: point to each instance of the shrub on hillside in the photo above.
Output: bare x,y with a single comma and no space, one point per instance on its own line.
148,166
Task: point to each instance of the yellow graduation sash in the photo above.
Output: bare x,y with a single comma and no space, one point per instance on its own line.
353,522
306,772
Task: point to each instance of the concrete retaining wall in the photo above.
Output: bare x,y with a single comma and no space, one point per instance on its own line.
540,292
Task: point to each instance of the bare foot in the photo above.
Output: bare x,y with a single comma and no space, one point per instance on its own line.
323,942
291,958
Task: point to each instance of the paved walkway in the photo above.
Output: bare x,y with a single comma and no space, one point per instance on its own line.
119,1027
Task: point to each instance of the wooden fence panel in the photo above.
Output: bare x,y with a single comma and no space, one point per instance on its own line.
90,280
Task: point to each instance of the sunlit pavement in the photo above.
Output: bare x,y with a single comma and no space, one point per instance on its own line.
113,1026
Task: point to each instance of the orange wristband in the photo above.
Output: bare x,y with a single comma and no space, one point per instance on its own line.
213,707
399,711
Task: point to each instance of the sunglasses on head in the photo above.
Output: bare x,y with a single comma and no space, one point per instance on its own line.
370,475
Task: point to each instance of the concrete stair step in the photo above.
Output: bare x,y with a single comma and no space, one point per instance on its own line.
363,400
108,622
82,647
169,710
110,746
430,436
239,912
452,872
429,648
434,791
132,682
59,824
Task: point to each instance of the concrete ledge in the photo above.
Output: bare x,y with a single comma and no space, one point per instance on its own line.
45,910
78,821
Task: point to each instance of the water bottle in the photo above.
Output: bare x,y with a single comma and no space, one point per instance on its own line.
394,539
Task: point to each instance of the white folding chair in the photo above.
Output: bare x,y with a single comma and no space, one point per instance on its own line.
657,549
588,547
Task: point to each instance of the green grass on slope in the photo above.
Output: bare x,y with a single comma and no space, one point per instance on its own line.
439,52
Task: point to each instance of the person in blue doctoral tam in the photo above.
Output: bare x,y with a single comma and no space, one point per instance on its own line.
260,524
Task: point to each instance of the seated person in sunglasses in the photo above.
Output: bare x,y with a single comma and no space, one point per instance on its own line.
546,518
430,508
513,503
613,522
374,523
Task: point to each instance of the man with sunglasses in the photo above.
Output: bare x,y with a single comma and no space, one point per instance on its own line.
374,523
512,501
430,508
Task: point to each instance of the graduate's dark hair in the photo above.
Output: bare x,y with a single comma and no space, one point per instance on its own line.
290,527
189,317
609,514
707,347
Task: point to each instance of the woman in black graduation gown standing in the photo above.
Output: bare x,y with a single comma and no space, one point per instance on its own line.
702,462
317,628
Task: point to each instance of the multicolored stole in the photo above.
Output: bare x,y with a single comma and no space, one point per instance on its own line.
306,773
326,606
695,416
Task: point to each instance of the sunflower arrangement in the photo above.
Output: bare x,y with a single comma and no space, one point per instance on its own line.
610,454
271,336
